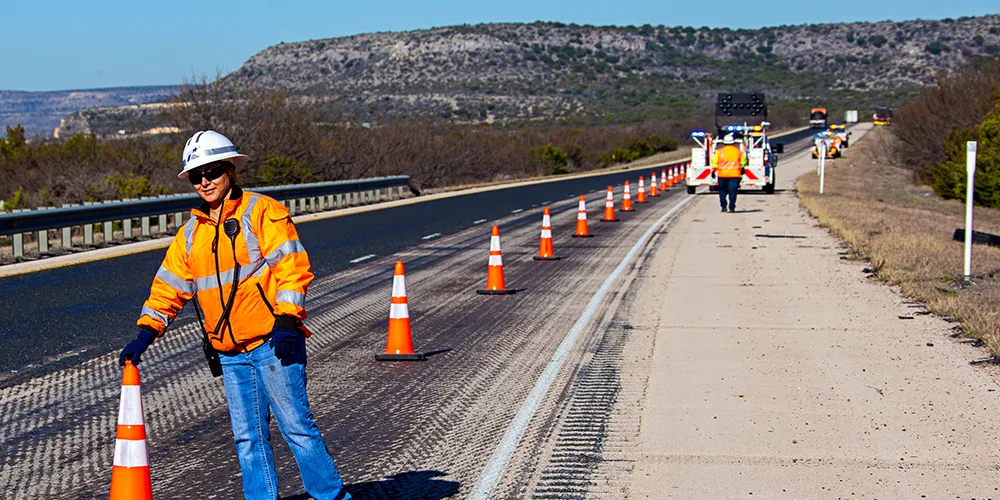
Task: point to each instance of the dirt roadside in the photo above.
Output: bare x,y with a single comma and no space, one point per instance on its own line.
763,365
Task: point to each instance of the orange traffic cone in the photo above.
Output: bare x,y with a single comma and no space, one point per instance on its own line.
130,472
672,177
545,250
663,180
494,273
683,171
609,207
399,344
652,186
640,197
675,175
627,199
581,220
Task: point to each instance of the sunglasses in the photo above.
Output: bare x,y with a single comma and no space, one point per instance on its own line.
211,173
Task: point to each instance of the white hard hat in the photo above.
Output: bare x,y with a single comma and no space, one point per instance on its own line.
729,139
208,146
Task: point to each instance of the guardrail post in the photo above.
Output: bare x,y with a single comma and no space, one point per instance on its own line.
126,229
43,241
161,223
401,195
177,220
145,226
88,234
18,245
67,233
109,232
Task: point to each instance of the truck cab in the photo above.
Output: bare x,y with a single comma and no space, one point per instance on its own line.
817,118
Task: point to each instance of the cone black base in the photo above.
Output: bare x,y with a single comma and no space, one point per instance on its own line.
400,357
629,210
609,220
583,236
554,257
509,291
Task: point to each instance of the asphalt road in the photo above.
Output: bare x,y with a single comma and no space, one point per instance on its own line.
56,318
421,430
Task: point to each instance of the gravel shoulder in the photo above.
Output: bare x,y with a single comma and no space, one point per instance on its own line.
769,366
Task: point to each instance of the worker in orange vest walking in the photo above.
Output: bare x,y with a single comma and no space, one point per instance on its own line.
728,166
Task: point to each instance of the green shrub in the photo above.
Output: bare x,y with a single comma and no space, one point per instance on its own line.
950,176
937,47
123,186
280,170
550,157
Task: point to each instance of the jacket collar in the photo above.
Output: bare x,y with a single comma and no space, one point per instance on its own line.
229,207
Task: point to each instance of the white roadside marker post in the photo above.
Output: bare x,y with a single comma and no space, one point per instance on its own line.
970,170
822,165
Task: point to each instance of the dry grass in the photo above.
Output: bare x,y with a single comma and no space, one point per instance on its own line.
905,232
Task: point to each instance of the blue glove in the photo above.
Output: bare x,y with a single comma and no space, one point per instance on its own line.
135,348
288,341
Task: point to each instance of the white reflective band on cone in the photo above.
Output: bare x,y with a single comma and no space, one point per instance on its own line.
494,243
610,203
399,311
130,406
130,453
546,233
546,221
581,216
399,286
496,260
583,206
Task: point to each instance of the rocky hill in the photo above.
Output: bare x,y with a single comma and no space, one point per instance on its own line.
541,71
544,70
41,112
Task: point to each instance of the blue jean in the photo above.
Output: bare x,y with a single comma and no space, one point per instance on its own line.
730,186
256,383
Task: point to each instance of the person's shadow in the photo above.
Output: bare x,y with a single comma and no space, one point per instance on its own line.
416,485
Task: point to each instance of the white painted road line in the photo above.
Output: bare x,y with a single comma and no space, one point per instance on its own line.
494,469
517,211
480,221
431,236
362,259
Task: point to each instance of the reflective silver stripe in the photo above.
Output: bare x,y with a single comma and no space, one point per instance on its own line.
253,246
130,453
291,297
130,406
189,234
223,149
286,248
175,282
148,311
209,282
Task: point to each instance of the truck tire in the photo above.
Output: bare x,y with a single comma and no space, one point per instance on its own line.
690,189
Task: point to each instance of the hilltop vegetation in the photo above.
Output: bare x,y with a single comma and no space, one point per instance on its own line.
552,70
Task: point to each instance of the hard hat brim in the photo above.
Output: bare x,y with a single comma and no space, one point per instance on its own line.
238,161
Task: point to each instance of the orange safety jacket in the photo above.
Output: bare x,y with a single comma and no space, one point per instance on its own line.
274,273
729,161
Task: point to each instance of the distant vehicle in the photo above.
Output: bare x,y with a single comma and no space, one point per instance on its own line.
883,116
831,142
817,118
841,132
737,109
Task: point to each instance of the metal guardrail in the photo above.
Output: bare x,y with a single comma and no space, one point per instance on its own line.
297,198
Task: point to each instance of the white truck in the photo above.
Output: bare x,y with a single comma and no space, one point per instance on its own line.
762,160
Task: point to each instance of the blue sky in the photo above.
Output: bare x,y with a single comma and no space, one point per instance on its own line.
73,44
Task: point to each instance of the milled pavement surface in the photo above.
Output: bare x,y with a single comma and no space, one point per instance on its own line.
763,367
